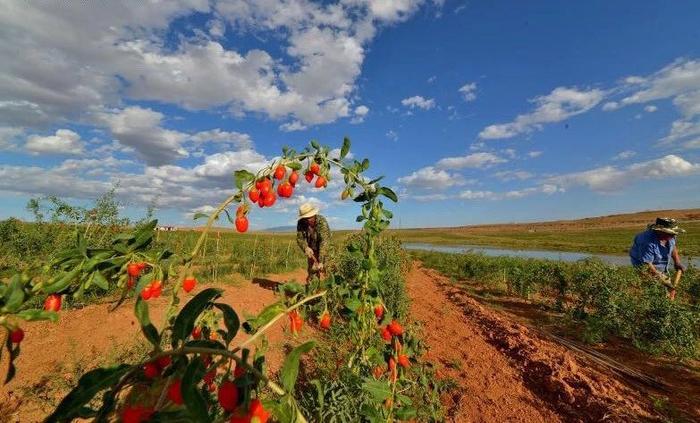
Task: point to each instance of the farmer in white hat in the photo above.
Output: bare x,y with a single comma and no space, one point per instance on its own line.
313,237
654,248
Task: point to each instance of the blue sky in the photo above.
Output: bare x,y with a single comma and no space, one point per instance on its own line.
477,112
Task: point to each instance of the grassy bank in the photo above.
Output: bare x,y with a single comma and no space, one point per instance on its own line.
605,235
605,300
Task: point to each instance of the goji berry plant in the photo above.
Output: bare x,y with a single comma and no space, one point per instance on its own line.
195,371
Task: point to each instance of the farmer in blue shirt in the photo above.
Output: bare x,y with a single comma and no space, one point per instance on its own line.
654,248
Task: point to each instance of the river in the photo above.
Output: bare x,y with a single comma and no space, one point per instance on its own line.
536,254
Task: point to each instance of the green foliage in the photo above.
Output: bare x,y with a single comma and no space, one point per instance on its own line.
608,300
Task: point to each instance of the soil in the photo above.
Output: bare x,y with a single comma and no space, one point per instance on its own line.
503,371
506,372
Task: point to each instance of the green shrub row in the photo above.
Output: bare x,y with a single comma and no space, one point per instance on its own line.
609,300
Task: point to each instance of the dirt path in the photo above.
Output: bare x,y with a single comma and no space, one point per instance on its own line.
507,373
54,354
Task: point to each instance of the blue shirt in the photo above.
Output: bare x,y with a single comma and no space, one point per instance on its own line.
648,249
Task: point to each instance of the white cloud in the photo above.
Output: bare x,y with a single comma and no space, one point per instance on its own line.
534,154
610,106
77,61
431,178
226,139
360,114
141,130
560,104
611,178
624,155
418,102
64,141
512,175
468,91
292,126
392,135
475,160
432,79
680,78
650,108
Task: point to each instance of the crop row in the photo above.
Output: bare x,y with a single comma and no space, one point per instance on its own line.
607,300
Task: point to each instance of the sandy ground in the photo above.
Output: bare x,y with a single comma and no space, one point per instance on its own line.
505,372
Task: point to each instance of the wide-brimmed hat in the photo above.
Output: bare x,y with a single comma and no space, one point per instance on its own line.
307,210
666,225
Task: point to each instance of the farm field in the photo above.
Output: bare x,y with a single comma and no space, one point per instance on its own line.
486,379
605,235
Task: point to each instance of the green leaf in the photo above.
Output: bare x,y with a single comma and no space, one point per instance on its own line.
242,177
149,331
200,215
406,413
14,295
63,281
345,149
315,145
290,368
294,166
353,304
92,382
34,315
144,236
378,389
205,343
387,213
388,193
267,314
231,320
184,322
365,164
194,400
100,280
228,216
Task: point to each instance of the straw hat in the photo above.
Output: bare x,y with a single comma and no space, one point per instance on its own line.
307,210
666,225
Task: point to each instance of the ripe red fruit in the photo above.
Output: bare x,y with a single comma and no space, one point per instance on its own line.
175,392
403,361
280,172
293,177
228,395
130,282
378,311
269,199
325,321
254,195
52,303
378,372
321,182
164,361
133,269
209,377
156,289
241,224
189,283
295,322
314,168
238,371
151,370
261,202
256,410
392,369
16,336
141,265
147,293
136,414
395,328
309,176
265,186
386,335
196,332
240,417
285,190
